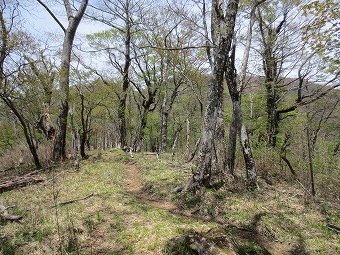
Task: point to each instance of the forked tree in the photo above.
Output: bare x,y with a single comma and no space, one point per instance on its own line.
211,168
74,17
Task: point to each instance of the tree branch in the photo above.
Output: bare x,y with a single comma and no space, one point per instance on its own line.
52,15
73,200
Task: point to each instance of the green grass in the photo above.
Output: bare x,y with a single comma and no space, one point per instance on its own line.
277,213
113,221
110,222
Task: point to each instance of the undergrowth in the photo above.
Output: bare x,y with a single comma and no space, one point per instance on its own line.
109,221
112,221
278,213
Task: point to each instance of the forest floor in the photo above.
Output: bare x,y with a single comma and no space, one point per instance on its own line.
118,205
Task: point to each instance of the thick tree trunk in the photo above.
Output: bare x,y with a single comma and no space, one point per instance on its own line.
123,97
248,159
139,141
211,166
60,141
46,125
269,36
74,20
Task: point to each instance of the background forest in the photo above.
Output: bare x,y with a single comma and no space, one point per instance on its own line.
169,127
142,82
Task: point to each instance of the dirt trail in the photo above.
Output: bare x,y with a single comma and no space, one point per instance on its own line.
133,185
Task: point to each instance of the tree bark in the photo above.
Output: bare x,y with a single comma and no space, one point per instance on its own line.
75,140
237,127
164,126
269,37
73,22
19,182
46,77
175,142
310,159
248,159
187,145
126,82
211,167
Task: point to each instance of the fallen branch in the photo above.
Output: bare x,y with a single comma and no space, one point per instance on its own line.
19,182
72,201
6,215
333,227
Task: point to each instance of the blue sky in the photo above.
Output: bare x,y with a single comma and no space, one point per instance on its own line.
39,22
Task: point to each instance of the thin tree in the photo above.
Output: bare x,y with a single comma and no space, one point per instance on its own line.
121,16
237,127
9,78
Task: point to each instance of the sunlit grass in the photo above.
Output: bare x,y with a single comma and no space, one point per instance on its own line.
113,221
109,222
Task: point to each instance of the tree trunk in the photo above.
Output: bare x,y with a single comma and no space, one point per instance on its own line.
237,126
211,166
164,128
175,142
272,114
139,141
27,133
123,97
269,37
73,22
122,120
46,77
233,132
248,159
74,135
310,159
85,128
187,146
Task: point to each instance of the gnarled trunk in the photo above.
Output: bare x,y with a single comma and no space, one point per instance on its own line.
211,167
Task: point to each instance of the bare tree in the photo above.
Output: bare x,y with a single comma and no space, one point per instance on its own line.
123,17
235,88
10,73
211,168
74,17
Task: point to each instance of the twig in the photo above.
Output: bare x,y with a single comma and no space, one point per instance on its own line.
72,201
303,187
4,213
333,227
